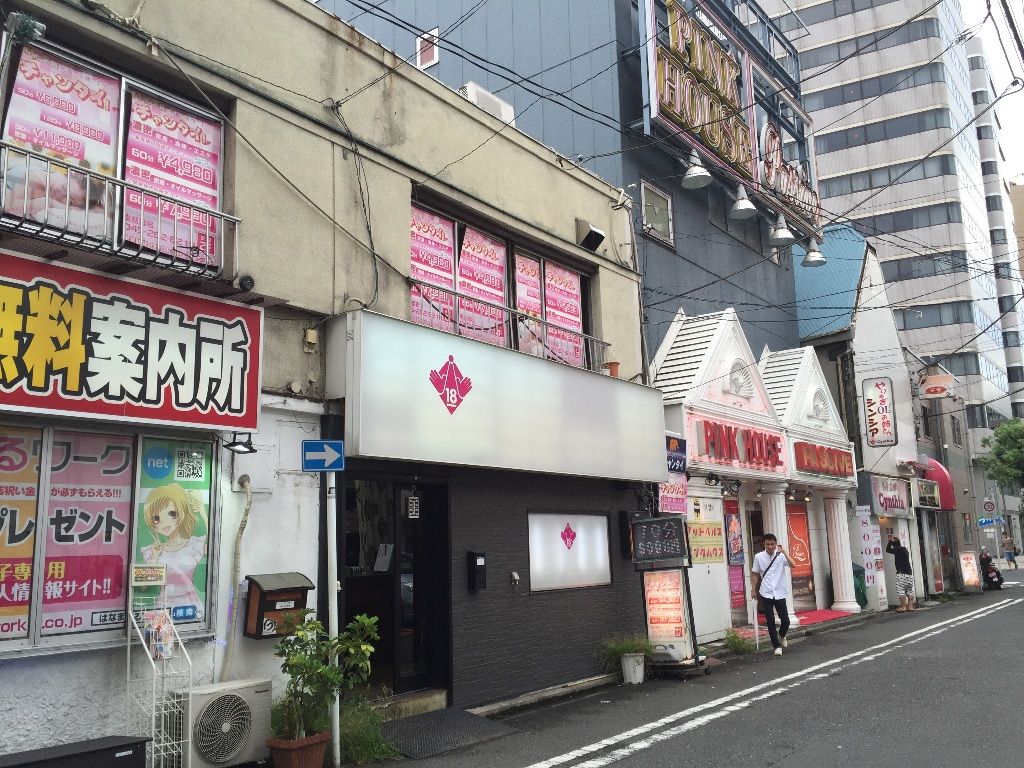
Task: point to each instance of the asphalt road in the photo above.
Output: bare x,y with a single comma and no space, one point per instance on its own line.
937,687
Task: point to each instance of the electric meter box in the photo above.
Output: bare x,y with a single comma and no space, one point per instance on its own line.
275,601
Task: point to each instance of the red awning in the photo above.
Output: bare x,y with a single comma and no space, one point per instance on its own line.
939,474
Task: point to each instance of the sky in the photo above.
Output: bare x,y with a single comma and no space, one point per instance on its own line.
1010,109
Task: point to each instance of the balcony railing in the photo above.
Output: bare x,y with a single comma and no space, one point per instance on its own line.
495,324
47,199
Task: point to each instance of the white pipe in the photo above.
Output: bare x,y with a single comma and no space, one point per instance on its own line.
332,600
236,574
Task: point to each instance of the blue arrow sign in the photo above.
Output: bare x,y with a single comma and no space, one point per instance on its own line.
323,455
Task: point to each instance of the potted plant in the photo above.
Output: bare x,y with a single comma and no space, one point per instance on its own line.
628,653
306,655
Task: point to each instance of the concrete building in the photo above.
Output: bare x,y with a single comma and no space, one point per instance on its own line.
587,82
219,255
888,83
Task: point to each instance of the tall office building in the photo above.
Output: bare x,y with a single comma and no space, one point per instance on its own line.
907,148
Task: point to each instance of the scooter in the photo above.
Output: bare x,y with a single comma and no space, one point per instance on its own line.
990,576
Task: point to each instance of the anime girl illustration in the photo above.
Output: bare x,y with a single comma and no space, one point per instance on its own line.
172,513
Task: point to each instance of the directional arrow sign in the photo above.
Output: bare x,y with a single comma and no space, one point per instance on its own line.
323,455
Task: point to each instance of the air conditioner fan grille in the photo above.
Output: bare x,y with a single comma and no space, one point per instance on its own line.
223,728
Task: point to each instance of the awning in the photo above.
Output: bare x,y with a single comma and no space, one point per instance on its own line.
939,474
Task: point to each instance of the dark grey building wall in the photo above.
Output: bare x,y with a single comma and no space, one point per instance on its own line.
508,642
592,45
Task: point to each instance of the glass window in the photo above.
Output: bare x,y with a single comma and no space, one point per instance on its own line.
990,168
980,97
1006,303
1011,338
956,431
1015,374
994,202
926,421
976,62
657,207
105,507
1002,270
997,236
1018,412
986,132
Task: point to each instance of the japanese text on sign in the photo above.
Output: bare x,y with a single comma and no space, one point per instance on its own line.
878,412
707,542
72,341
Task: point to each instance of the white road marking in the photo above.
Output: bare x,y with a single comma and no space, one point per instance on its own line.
747,696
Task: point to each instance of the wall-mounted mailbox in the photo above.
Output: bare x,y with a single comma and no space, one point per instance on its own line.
476,565
275,600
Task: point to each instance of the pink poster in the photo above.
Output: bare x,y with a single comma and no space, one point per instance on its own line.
737,587
88,530
70,114
563,304
176,154
432,261
529,302
482,279
672,495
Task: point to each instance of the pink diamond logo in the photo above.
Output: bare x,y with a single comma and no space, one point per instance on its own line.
568,536
451,385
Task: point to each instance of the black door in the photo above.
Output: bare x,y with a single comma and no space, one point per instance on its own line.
394,565
422,632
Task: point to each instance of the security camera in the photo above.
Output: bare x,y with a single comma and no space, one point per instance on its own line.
246,282
966,491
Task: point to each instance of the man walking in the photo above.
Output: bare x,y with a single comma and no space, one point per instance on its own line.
904,574
771,588
1009,550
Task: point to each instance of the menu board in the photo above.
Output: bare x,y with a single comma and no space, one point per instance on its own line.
432,261
563,305
176,154
482,262
665,600
659,538
71,114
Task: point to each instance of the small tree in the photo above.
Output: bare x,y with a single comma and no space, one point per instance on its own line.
1005,462
313,681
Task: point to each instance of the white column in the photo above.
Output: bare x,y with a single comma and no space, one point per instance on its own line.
839,555
773,515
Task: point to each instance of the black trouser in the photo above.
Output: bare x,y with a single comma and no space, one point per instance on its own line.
769,607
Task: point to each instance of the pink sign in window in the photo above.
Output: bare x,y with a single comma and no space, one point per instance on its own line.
176,154
432,261
88,530
70,113
482,262
563,305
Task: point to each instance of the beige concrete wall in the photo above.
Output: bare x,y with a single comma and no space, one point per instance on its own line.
407,127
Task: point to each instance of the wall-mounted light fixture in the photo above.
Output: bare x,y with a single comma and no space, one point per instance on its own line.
238,445
742,208
813,256
696,176
780,235
587,235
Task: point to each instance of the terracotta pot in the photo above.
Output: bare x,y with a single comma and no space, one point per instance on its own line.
300,753
613,369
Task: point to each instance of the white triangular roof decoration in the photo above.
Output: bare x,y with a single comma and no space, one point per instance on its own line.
706,362
800,393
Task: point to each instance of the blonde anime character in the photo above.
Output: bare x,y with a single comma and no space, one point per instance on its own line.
171,512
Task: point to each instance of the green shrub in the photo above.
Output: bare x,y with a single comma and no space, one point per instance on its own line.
362,734
738,644
617,646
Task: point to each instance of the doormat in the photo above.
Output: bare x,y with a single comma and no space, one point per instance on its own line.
434,733
812,617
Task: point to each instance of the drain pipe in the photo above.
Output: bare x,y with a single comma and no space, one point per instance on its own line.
236,574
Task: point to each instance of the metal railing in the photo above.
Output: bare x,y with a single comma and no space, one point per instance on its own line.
503,326
45,198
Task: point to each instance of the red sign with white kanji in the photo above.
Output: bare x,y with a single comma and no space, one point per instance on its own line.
74,342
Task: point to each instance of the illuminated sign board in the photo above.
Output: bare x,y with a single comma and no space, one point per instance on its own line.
697,89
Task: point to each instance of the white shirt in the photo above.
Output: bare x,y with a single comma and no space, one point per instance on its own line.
774,585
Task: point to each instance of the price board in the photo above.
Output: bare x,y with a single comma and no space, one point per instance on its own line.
660,538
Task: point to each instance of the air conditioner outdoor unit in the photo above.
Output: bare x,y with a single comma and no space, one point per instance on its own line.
228,723
488,102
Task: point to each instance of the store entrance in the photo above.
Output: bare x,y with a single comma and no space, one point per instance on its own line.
394,545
